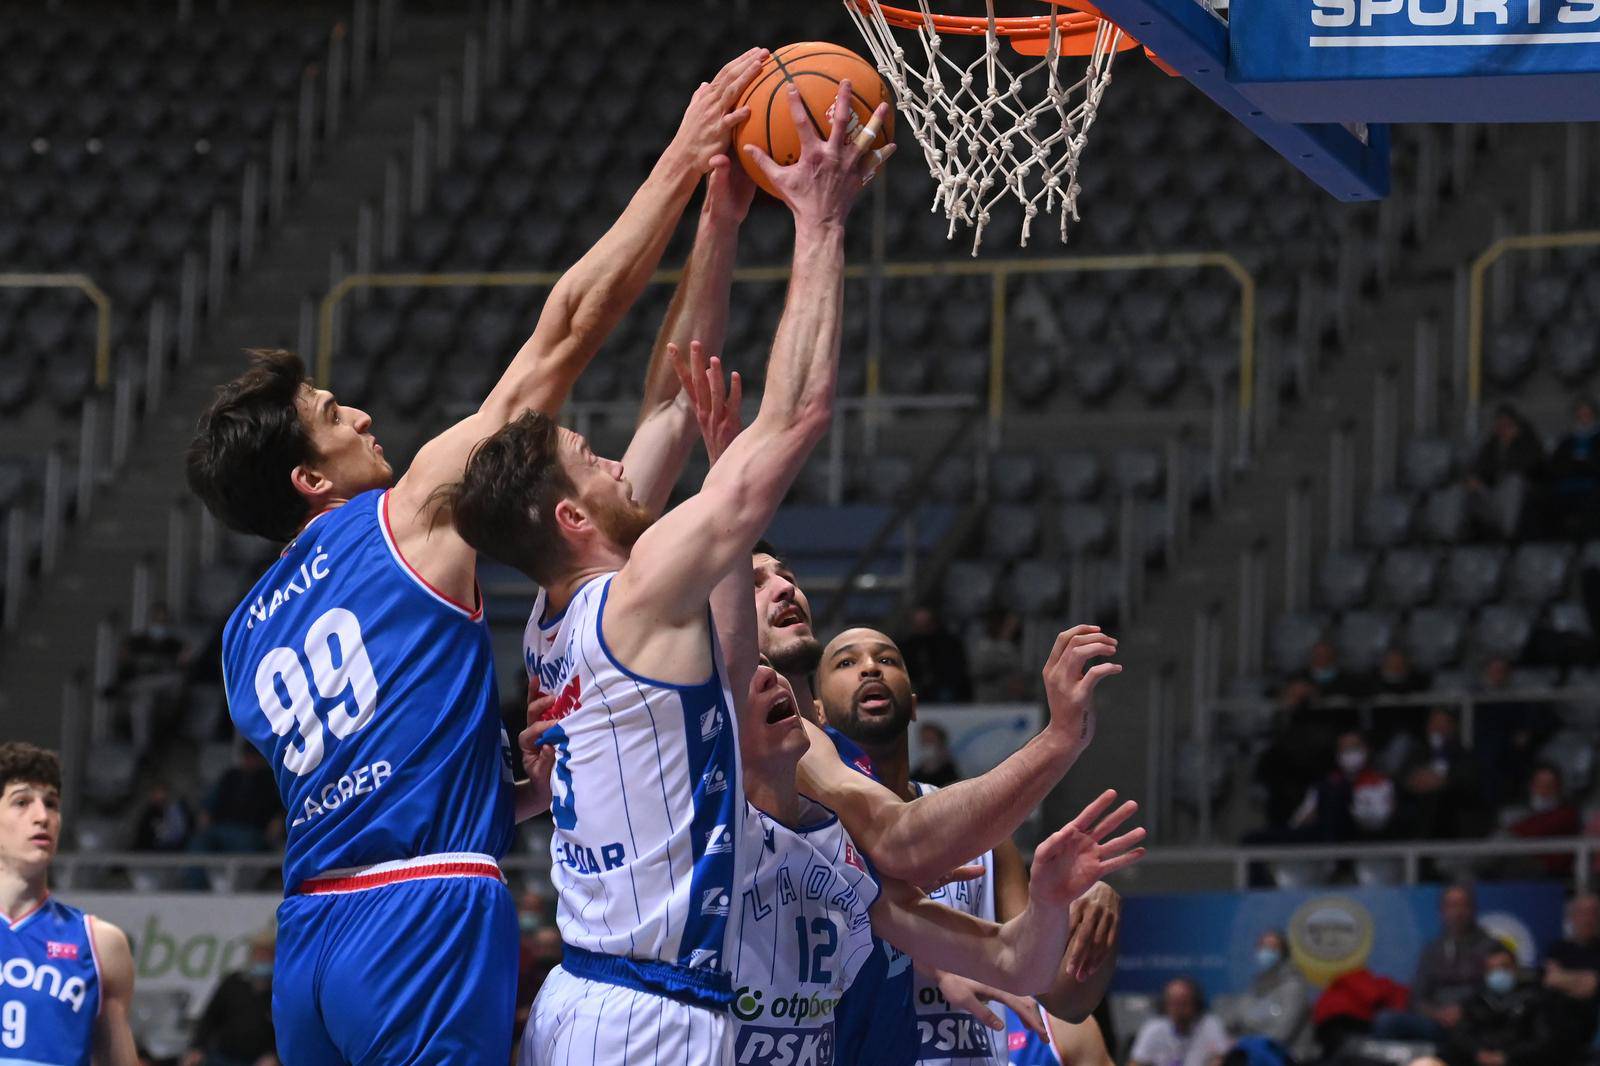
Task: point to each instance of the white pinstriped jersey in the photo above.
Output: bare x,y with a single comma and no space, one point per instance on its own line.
951,1037
802,932
648,804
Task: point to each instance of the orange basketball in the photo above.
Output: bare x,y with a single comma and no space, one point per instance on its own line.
815,68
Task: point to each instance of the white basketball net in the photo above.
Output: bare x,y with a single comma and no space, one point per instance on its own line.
988,132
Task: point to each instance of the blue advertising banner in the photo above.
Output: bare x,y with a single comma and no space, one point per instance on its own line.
1418,60
1211,936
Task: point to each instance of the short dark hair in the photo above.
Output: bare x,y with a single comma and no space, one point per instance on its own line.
28,764
504,506
766,547
247,445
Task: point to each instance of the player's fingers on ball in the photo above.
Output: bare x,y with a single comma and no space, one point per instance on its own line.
801,117
734,119
763,161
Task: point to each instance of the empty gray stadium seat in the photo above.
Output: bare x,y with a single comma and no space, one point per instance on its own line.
1570,352
1426,463
1010,531
1472,574
1085,527
1433,637
1510,354
1079,475
1014,476
954,481
1386,519
1343,579
1407,577
969,587
884,478
1036,586
1362,637
1544,296
1444,515
1566,616
1157,375
1138,471
1538,573
1031,376
1290,639
1502,630
1094,377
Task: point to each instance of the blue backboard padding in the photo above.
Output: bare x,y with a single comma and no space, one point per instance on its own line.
1193,41
1377,61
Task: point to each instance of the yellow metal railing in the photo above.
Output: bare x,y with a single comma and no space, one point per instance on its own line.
999,271
1533,242
84,284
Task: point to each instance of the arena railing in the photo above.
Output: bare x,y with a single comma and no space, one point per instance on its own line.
999,273
1201,868
1478,300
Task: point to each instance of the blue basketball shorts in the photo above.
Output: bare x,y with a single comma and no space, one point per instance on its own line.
412,962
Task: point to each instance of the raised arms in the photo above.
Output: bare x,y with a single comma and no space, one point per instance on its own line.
663,589
581,311
924,839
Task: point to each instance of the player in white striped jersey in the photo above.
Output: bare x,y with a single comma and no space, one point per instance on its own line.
647,800
866,694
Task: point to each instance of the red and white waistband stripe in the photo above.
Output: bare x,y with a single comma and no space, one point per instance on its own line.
423,867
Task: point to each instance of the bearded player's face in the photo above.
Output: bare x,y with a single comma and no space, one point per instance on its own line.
865,690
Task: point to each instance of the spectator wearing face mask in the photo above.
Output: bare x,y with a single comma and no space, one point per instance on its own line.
236,1028
1449,972
1277,1005
1506,1022
1549,814
1353,801
1572,977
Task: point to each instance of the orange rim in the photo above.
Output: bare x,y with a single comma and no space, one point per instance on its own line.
1027,34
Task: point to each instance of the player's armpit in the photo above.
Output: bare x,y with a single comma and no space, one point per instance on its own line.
113,1037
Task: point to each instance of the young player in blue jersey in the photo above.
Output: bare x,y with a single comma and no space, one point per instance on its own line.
361,667
67,978
866,693
1061,1044
647,805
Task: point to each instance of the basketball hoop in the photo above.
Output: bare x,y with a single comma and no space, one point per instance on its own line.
989,132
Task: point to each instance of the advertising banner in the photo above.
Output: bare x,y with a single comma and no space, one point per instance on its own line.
183,941
1418,60
1211,935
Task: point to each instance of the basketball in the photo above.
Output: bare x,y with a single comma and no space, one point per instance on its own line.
815,68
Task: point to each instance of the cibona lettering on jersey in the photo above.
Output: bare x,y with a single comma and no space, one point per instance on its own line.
373,697
49,987
950,1036
647,804
802,933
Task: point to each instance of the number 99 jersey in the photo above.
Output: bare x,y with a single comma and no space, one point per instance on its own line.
373,696
802,933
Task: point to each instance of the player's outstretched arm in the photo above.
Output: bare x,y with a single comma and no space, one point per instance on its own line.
665,433
583,307
113,1037
922,840
1022,955
663,589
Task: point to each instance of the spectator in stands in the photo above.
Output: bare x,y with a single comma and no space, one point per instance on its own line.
151,666
1505,1022
1297,753
236,1028
1331,681
1509,734
1572,976
165,822
1397,677
1449,972
1351,801
1513,450
243,812
935,765
998,672
937,659
1440,782
1351,1004
1550,813
1184,1034
1277,1005
1574,474
539,950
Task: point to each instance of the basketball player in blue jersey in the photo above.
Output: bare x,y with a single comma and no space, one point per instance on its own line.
361,667
648,805
66,978
1061,1044
866,693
